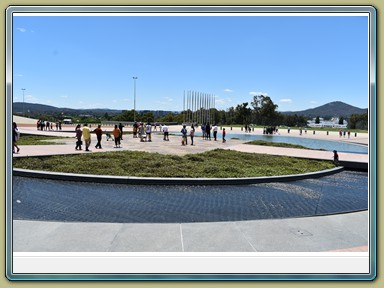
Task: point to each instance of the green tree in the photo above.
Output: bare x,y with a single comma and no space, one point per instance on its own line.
107,117
317,121
148,117
230,115
126,115
242,113
170,117
358,121
265,110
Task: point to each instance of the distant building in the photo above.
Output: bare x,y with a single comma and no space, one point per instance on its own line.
67,121
333,123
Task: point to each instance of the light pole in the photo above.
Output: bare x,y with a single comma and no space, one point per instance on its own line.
23,101
134,98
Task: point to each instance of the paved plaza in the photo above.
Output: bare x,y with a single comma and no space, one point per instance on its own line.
341,232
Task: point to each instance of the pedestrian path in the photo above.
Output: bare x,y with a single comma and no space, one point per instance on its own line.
336,233
173,146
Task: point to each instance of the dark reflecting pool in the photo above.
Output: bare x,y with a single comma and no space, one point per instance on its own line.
37,199
312,143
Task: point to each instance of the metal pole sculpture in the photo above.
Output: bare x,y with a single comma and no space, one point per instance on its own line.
198,107
184,107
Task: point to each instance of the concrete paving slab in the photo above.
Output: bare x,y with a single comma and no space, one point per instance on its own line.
307,234
342,233
214,237
68,237
31,236
276,236
147,238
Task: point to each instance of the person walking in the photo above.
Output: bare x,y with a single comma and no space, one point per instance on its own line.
79,133
192,133
183,135
86,136
141,132
203,130
121,130
335,158
166,133
98,133
223,133
15,137
148,131
208,131
135,128
116,134
215,132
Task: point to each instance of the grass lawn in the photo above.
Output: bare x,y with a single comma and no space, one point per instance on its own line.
38,140
216,163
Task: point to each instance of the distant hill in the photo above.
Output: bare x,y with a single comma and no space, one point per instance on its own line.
33,109
38,109
329,110
332,109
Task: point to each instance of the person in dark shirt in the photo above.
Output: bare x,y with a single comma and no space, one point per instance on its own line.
98,133
335,158
121,130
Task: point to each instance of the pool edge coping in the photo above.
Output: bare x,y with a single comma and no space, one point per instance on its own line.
133,180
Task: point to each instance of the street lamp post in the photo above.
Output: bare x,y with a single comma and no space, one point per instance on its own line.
23,101
134,98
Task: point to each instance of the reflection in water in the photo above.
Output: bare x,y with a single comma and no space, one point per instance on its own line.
306,142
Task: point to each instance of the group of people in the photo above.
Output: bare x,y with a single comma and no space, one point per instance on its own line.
85,134
46,125
144,131
206,131
343,133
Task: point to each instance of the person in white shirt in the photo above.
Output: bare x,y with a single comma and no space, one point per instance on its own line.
215,132
165,131
148,130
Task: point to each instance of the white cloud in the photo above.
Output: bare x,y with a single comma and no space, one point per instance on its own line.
95,105
286,100
228,90
258,93
30,98
19,75
222,101
165,101
313,102
22,29
64,96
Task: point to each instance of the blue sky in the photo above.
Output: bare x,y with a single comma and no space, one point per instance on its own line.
301,62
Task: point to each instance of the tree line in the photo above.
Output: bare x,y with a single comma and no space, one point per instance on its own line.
261,111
